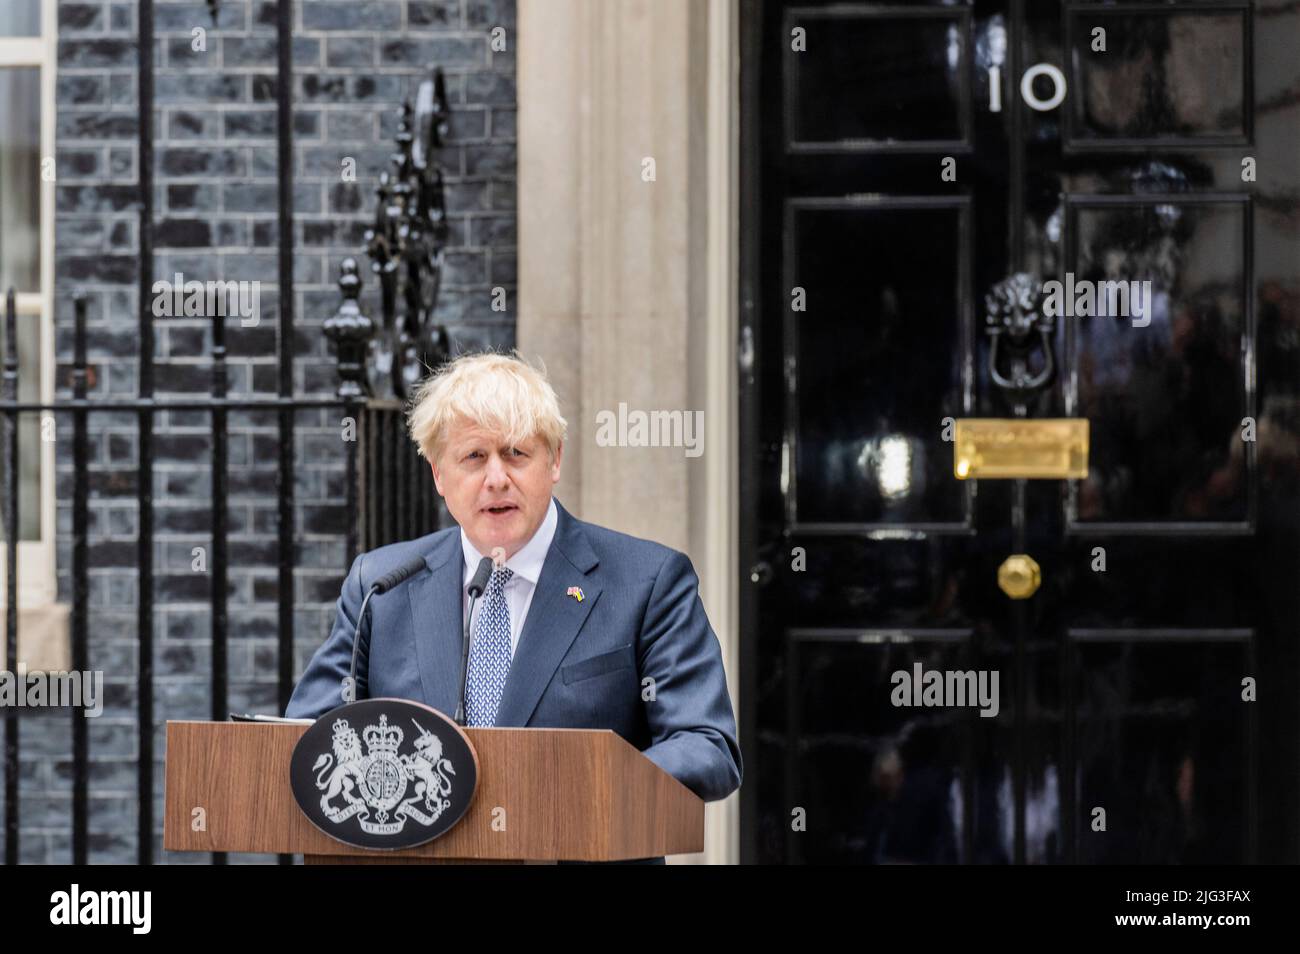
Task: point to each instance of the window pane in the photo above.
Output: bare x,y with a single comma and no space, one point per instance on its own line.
29,425
20,17
20,179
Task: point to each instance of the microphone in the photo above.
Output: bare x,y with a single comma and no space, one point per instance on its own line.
476,587
382,585
400,575
479,583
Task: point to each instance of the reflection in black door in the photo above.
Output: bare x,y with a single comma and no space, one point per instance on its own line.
1152,683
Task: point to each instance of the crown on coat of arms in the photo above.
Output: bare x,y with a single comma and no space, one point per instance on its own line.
383,738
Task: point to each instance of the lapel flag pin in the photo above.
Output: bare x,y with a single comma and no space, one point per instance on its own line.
575,592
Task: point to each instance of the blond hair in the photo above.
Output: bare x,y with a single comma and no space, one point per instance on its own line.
502,393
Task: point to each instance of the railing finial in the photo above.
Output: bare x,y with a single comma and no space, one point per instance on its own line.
406,245
350,330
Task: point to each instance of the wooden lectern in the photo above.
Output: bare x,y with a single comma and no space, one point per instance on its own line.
568,794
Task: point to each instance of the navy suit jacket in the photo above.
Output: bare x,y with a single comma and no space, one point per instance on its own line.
577,664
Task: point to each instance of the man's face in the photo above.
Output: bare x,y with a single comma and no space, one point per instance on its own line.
497,492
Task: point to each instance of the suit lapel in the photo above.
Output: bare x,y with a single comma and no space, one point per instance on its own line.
553,620
437,623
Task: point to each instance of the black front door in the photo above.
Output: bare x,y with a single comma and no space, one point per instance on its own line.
945,207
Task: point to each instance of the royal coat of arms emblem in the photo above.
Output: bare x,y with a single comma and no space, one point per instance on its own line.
372,787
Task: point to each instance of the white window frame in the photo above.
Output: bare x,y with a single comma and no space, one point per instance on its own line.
37,580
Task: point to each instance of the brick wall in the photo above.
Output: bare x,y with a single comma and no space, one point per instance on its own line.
215,208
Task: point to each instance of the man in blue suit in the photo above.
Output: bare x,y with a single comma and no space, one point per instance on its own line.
579,626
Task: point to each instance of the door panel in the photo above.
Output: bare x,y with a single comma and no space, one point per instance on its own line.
1162,733
1168,74
894,73
1166,401
861,428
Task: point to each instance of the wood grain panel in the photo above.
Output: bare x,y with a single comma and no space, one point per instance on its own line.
574,794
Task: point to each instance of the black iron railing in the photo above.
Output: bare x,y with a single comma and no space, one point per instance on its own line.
389,493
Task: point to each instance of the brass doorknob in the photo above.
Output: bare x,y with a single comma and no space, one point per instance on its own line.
1019,576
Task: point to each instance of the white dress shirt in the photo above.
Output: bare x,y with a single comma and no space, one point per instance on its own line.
527,567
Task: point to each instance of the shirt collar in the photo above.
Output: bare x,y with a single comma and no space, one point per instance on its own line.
526,563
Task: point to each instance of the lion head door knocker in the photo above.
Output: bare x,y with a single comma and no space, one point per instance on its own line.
1017,327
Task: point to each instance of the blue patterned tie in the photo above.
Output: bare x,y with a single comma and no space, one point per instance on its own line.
489,657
